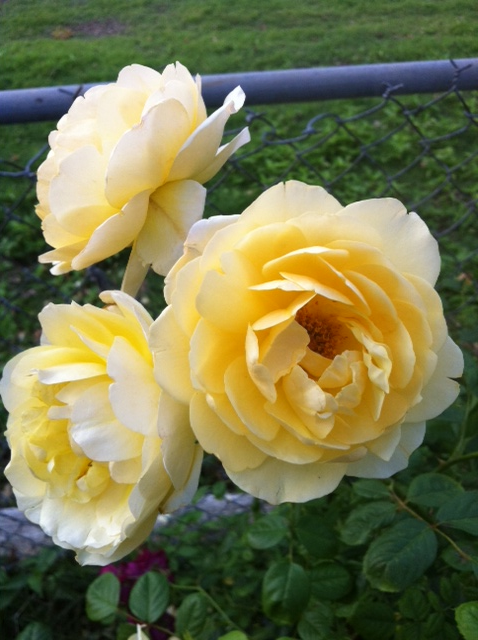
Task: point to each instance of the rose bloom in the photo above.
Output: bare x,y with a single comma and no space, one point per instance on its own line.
312,337
126,167
90,462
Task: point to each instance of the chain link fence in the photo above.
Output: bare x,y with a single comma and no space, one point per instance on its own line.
420,149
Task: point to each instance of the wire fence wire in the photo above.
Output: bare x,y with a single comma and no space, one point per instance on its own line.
421,150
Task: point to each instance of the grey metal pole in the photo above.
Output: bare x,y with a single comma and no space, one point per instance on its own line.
273,87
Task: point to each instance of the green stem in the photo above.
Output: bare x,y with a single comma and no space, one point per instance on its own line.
211,601
458,549
402,504
452,461
457,453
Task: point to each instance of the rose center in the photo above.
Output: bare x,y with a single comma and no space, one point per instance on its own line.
325,332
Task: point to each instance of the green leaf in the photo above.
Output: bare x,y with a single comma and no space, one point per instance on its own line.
285,592
410,631
149,597
318,538
219,489
400,555
460,513
35,582
456,560
466,616
370,489
434,624
414,605
365,519
373,621
330,581
102,598
35,631
234,635
316,622
267,531
433,489
191,615
474,565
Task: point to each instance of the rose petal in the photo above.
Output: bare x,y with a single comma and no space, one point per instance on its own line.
277,482
172,210
142,159
200,149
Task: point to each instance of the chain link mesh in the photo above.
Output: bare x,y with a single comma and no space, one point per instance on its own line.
420,150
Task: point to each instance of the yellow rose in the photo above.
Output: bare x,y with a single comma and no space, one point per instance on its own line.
126,167
312,337
90,462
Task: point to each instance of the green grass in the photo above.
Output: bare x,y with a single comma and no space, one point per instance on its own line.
52,42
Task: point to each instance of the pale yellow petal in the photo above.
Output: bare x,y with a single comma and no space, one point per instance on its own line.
116,233
211,350
143,156
248,401
277,482
441,390
98,432
290,200
404,237
139,78
223,154
179,446
170,348
172,210
76,195
200,149
134,394
234,451
372,466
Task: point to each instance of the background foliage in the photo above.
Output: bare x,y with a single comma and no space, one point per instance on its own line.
376,559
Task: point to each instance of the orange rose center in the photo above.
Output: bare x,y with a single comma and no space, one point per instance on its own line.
328,336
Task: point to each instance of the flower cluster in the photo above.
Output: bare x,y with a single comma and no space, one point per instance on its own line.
302,340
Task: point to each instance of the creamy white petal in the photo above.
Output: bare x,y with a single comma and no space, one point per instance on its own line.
371,466
134,394
277,482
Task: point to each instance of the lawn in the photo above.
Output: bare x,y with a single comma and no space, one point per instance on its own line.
51,42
